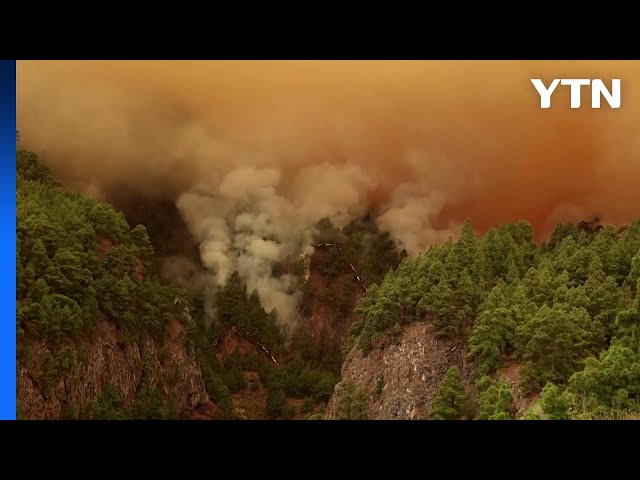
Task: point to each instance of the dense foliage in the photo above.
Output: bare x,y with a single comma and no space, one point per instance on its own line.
363,244
450,403
78,261
495,400
567,310
353,403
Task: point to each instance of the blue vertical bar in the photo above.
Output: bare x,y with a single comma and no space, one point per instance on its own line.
8,240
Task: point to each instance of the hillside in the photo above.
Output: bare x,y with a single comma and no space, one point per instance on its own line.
101,335
480,327
98,335
498,327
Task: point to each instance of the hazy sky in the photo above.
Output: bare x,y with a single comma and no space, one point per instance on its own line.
254,153
427,143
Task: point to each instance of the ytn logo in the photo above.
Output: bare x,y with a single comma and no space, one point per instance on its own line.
597,90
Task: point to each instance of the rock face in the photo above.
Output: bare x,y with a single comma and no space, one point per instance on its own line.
167,365
410,371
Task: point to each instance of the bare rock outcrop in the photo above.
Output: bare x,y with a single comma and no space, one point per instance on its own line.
410,374
107,359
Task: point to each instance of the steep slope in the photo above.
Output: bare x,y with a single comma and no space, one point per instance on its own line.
65,383
326,312
272,377
495,327
400,379
344,263
98,335
501,328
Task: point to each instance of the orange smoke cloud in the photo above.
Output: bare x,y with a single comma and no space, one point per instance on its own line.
427,144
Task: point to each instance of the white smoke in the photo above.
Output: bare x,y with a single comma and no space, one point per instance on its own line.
244,224
260,151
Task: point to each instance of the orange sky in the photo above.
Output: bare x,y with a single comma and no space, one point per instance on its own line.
427,143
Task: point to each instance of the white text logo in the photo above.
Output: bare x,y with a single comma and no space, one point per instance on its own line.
598,90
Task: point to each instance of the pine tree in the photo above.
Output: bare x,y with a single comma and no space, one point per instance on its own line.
512,273
495,401
555,404
560,232
439,307
505,248
39,258
451,399
467,245
359,406
595,277
276,400
542,287
29,166
526,241
231,303
555,342
492,333
481,270
420,289
580,264
628,322
619,262
611,381
602,244
108,406
364,341
452,267
634,274
141,240
353,403
436,273
467,298
576,297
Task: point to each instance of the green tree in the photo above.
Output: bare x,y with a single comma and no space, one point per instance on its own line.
452,267
560,232
555,403
108,405
492,333
512,273
481,269
611,381
628,323
28,165
352,403
467,245
359,406
634,273
276,401
495,400
555,341
141,240
439,307
467,297
450,402
233,376
436,273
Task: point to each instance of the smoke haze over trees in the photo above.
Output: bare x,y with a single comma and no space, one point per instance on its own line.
255,153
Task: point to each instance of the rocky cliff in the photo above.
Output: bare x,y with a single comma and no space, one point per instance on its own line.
50,381
400,381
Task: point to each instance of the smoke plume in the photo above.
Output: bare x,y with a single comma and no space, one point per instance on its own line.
256,152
